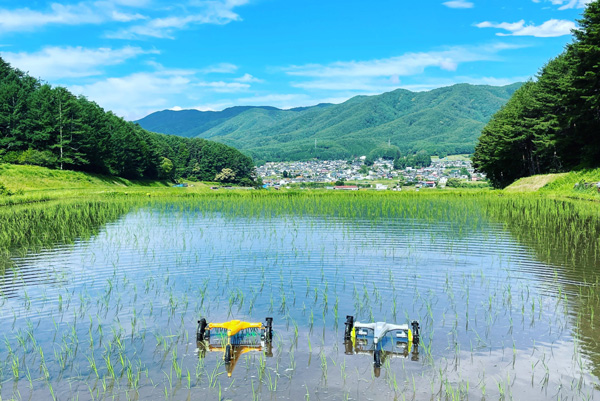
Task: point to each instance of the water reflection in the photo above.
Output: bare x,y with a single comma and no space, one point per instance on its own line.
49,227
233,353
566,237
490,297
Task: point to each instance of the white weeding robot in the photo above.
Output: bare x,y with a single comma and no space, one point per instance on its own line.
373,338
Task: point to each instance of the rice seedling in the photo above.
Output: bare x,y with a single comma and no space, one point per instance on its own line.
472,268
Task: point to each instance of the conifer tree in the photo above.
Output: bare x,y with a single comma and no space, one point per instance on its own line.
585,97
552,124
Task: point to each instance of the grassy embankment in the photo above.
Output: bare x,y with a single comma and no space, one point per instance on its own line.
560,185
33,184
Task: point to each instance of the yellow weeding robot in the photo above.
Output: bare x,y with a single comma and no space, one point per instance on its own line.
234,338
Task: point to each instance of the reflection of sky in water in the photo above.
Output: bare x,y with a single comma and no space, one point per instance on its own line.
480,296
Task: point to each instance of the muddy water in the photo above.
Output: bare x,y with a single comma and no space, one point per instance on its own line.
115,316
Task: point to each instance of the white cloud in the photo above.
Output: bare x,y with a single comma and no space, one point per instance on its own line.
69,62
292,100
350,78
459,4
282,101
204,107
376,86
223,87
349,85
162,70
404,65
135,95
218,12
551,28
213,106
430,84
567,4
101,11
126,17
248,78
221,68
131,3
26,19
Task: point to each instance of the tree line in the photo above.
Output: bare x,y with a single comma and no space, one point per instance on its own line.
392,152
551,124
49,126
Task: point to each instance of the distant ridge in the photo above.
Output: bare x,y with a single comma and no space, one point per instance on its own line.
445,120
191,123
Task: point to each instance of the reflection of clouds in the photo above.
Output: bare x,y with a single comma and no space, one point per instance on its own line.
571,263
436,262
582,305
523,374
27,273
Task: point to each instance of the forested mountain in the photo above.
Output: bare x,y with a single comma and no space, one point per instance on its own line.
446,120
51,127
551,124
189,122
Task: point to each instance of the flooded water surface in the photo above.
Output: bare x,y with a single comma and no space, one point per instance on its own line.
506,303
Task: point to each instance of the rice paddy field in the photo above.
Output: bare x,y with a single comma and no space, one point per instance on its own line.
100,298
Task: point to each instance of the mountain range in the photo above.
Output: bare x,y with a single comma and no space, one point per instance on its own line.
441,121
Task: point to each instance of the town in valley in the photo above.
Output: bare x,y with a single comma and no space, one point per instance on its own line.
358,173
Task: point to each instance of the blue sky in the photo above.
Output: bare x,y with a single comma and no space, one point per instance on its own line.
138,56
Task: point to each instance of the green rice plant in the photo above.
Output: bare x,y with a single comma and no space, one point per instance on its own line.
469,304
323,358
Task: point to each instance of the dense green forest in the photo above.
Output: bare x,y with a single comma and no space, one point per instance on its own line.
50,127
551,124
442,121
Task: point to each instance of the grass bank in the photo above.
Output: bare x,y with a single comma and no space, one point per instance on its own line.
30,184
32,178
565,185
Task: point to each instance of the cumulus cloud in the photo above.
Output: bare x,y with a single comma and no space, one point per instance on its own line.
133,96
567,4
70,62
136,95
551,28
459,4
248,78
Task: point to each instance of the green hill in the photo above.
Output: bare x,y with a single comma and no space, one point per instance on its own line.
190,123
50,127
445,120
